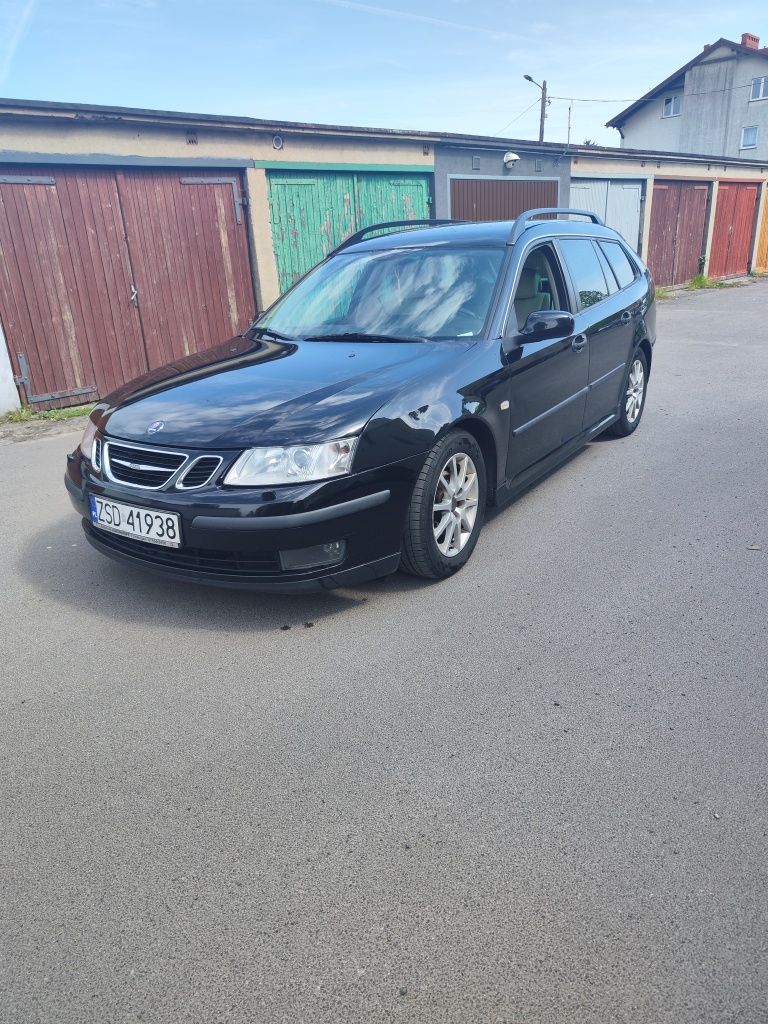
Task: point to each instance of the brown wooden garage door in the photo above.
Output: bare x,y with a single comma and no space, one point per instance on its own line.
106,274
676,241
491,199
734,228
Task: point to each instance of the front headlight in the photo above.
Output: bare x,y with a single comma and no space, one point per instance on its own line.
301,463
86,445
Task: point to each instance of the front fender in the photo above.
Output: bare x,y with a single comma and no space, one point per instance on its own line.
415,419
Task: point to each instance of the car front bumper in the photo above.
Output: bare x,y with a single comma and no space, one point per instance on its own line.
233,537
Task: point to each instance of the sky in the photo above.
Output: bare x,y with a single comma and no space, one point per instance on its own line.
436,65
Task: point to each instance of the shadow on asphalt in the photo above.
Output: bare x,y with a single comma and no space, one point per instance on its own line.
59,562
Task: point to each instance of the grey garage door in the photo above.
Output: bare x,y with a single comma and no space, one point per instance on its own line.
617,201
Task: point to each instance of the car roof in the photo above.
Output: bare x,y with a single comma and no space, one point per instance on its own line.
484,233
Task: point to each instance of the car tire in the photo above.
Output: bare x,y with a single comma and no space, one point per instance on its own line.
447,509
633,392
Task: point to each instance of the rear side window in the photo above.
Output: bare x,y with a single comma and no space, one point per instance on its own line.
608,274
586,272
619,261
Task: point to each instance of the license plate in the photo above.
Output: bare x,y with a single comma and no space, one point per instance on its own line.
154,527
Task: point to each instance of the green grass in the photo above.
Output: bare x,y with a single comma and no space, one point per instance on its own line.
662,293
701,281
27,415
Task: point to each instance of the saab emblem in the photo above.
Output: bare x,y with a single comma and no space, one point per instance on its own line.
153,428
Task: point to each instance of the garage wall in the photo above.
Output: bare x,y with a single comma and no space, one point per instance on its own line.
462,162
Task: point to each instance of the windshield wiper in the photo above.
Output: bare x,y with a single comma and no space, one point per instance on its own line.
267,332
363,336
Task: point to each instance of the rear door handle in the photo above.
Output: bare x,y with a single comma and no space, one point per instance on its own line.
626,316
579,342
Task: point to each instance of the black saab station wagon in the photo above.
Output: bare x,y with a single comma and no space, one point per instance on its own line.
367,420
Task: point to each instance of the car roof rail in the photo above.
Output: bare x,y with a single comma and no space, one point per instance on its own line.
524,220
358,236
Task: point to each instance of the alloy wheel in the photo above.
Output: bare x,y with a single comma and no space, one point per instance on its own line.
454,508
635,391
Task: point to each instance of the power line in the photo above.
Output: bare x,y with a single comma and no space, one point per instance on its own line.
534,104
650,99
646,99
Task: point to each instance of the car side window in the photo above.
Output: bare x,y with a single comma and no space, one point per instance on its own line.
585,269
619,261
539,286
608,274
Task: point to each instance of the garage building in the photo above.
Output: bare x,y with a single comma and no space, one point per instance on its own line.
131,238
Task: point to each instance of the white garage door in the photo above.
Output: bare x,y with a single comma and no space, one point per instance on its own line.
617,202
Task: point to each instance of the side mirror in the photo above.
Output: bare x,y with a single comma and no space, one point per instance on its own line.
548,324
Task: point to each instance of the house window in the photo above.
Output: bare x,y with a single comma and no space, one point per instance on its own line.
759,89
672,105
749,137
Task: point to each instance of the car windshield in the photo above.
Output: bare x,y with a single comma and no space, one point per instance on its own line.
392,294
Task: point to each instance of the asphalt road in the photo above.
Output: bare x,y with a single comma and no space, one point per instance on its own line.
533,793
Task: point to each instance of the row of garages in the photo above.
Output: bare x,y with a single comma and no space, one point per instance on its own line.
120,251
684,215
693,226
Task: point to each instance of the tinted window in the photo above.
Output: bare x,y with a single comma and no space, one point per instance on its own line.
608,274
619,261
586,272
537,287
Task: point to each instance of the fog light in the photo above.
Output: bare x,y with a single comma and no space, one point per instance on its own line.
315,557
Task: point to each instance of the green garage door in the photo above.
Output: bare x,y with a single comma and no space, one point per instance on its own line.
312,212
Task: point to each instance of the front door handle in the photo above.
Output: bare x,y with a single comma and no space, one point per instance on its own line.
626,316
579,342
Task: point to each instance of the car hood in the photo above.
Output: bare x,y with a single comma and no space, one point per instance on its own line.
251,392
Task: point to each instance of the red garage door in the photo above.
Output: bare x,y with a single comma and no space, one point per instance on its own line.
734,229
491,199
676,240
106,274
65,284
189,252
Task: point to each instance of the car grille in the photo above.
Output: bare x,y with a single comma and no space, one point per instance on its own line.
223,563
141,467
96,454
200,472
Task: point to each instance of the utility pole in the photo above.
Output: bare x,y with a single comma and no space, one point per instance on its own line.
543,88
543,109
